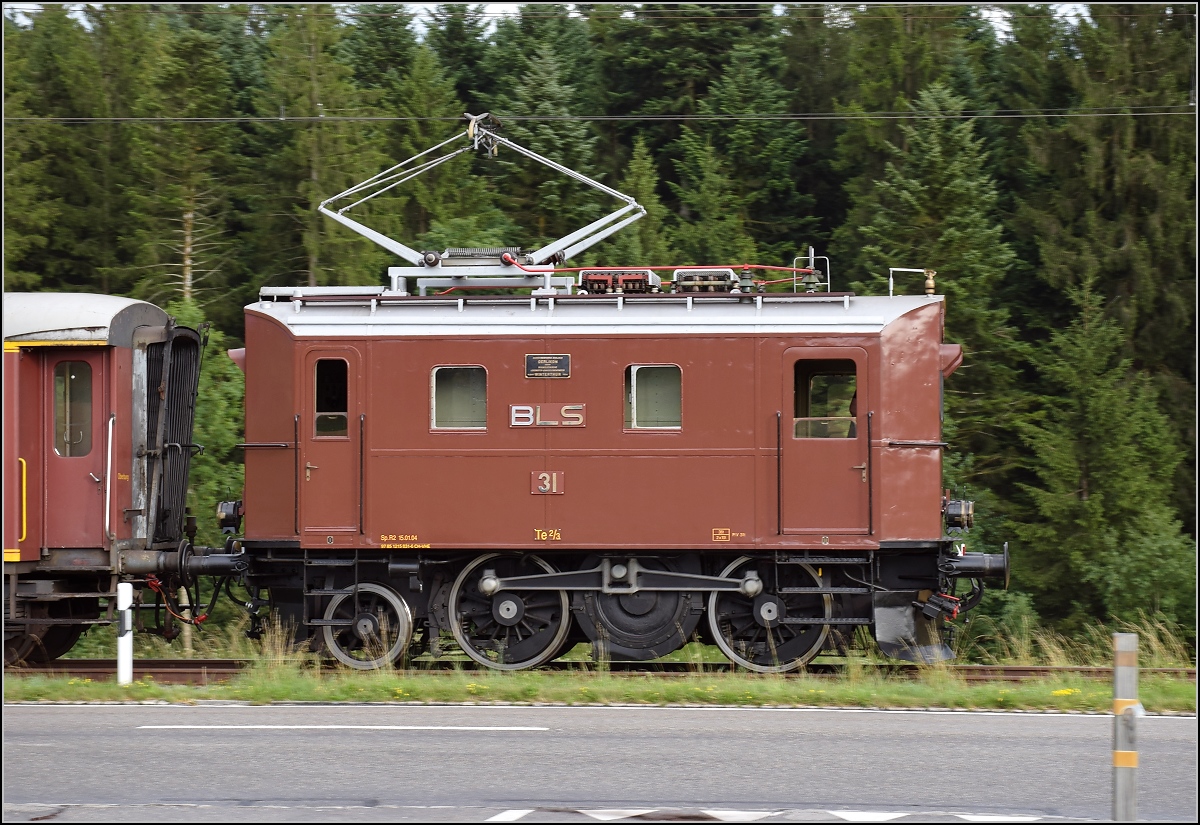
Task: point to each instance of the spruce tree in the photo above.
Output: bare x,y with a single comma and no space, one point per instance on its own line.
711,229
648,241
78,71
319,158
457,32
183,168
815,47
935,208
763,156
29,211
1099,538
542,201
1115,193
657,59
894,51
426,92
379,47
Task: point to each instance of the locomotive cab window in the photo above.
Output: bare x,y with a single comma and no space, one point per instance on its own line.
72,408
459,399
332,383
653,397
826,399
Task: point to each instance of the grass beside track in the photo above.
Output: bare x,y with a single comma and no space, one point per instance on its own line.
297,681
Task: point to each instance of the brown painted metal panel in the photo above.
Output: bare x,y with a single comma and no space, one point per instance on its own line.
630,488
700,486
416,474
910,476
670,499
271,404
74,483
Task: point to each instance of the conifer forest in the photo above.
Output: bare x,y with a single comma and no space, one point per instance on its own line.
1042,158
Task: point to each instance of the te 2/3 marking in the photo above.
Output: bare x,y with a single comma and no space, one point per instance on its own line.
547,482
551,534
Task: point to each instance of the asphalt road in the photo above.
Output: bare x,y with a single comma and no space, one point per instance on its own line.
538,764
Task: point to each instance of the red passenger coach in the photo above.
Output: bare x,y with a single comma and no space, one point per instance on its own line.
99,396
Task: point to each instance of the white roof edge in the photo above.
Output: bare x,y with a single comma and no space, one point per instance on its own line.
525,315
76,316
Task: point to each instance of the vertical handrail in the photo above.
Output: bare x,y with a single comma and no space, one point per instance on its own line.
778,473
112,419
870,481
296,484
24,502
362,428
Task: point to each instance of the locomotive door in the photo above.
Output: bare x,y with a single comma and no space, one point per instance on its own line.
824,469
74,448
330,439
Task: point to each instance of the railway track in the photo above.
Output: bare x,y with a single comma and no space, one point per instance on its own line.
206,671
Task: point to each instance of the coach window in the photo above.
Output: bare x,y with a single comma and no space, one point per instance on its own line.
459,399
826,399
653,397
72,408
331,407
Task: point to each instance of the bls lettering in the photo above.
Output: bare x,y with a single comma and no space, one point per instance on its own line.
566,415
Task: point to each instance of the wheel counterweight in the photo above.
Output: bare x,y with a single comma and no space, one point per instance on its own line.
644,624
752,633
512,629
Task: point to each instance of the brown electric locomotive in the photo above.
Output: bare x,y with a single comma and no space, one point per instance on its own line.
523,472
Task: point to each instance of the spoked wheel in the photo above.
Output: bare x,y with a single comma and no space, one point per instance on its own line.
750,631
514,629
18,647
23,646
56,641
381,627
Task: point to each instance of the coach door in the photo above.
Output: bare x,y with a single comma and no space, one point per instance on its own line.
75,447
824,468
330,464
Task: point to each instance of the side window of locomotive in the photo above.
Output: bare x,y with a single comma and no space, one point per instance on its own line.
332,381
459,398
826,399
653,397
72,408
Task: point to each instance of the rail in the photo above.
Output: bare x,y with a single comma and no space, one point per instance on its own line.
204,671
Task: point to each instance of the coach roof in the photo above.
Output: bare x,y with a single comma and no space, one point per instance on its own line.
76,317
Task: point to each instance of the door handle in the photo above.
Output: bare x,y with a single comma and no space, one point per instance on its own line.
862,467
308,468
95,478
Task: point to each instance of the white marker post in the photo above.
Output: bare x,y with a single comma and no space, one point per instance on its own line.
124,633
1126,710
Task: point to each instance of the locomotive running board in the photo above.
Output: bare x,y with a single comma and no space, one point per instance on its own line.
618,578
